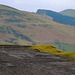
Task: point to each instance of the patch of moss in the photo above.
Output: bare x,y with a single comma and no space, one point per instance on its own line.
53,50
46,48
67,54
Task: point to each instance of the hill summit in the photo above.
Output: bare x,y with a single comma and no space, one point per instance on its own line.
68,12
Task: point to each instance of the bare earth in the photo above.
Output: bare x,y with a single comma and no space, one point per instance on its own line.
18,60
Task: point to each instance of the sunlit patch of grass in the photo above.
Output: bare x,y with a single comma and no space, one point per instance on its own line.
53,50
46,48
67,54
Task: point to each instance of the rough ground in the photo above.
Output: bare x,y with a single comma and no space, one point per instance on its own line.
17,60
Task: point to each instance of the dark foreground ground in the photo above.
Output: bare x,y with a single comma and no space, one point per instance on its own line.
17,60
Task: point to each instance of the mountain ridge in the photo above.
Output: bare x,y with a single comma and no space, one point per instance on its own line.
57,17
68,12
25,28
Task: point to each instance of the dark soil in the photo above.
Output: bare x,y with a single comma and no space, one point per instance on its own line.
18,60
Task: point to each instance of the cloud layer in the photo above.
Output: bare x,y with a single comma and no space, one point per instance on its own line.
33,5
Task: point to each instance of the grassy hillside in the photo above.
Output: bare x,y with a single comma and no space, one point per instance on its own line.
45,48
57,17
68,12
53,50
25,28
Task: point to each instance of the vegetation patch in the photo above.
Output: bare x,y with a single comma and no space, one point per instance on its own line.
13,20
46,48
67,54
9,13
5,29
53,50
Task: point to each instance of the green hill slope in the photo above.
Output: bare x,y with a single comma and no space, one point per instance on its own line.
68,12
57,17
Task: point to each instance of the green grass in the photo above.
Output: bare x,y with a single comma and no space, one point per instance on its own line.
46,48
53,50
67,54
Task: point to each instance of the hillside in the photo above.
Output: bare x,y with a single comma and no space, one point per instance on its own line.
25,28
68,12
57,17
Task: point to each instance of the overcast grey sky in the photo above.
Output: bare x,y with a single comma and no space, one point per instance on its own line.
33,5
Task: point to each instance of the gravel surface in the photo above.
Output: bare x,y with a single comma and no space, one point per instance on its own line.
18,60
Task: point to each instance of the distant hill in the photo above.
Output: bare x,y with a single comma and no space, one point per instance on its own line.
25,28
68,12
57,17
